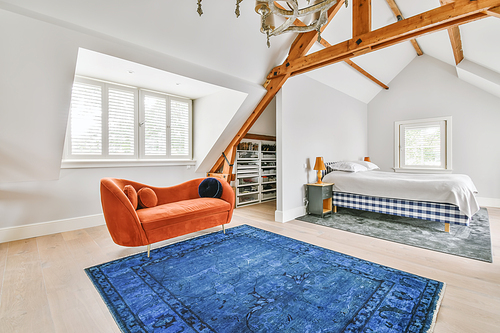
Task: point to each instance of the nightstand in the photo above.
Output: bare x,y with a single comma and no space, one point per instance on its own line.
320,198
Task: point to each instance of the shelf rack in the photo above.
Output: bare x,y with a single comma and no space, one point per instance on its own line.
255,171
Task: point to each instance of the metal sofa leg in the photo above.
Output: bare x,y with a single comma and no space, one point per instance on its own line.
224,229
149,249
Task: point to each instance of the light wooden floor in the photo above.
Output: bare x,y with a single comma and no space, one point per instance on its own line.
44,287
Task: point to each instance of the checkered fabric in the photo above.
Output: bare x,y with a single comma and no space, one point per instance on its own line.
430,211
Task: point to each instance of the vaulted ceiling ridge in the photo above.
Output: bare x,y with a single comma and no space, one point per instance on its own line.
449,15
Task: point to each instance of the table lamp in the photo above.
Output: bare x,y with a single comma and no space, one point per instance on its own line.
319,165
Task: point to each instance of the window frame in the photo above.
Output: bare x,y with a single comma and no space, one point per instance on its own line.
142,115
445,146
138,158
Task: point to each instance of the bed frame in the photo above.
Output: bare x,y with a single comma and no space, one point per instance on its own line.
430,211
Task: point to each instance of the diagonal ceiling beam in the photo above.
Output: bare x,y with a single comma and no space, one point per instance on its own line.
495,11
348,61
399,17
459,12
455,39
304,41
358,68
456,44
301,45
365,73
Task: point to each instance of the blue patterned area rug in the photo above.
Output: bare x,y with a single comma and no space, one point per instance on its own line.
251,280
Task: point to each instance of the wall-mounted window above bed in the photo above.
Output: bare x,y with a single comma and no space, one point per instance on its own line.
115,124
423,145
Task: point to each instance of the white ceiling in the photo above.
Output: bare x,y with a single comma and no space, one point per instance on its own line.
220,41
105,67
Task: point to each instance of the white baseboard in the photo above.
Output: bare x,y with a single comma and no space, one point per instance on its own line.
488,202
48,228
288,215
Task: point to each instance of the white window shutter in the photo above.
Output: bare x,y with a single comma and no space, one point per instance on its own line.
179,127
121,122
86,119
107,122
155,131
423,145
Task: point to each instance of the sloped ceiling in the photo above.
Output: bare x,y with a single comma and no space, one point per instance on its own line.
229,45
105,67
480,41
216,41
220,41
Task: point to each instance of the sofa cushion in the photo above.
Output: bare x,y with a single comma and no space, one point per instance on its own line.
131,194
159,216
147,198
210,188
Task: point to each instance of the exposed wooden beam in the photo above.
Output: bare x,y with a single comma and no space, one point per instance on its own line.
260,137
361,17
304,41
301,45
325,43
272,88
365,73
459,12
358,68
456,41
495,11
416,46
399,17
395,9
456,44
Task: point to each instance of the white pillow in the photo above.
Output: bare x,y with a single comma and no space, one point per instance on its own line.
348,166
368,165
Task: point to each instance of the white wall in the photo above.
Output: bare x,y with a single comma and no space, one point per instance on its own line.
313,120
75,193
266,123
211,115
37,61
429,88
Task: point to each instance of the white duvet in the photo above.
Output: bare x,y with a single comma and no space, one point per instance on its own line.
454,189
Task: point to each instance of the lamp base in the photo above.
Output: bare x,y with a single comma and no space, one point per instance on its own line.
319,178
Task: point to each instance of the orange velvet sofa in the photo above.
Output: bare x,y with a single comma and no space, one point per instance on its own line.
179,210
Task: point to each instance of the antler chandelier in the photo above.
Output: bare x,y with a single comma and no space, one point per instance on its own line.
317,13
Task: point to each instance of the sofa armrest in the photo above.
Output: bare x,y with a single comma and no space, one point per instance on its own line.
121,218
228,193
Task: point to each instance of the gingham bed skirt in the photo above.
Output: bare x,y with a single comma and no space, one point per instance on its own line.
430,211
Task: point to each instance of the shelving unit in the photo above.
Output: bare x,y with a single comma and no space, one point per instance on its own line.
255,172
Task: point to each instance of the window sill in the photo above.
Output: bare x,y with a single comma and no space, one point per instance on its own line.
421,170
83,164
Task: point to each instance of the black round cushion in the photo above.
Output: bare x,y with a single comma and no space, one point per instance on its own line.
210,188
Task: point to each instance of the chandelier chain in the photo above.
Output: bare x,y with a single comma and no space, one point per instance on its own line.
316,13
237,11
200,11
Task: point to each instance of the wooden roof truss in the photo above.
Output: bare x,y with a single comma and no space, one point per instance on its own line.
449,16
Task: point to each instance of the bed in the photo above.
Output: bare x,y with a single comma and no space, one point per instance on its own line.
447,198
